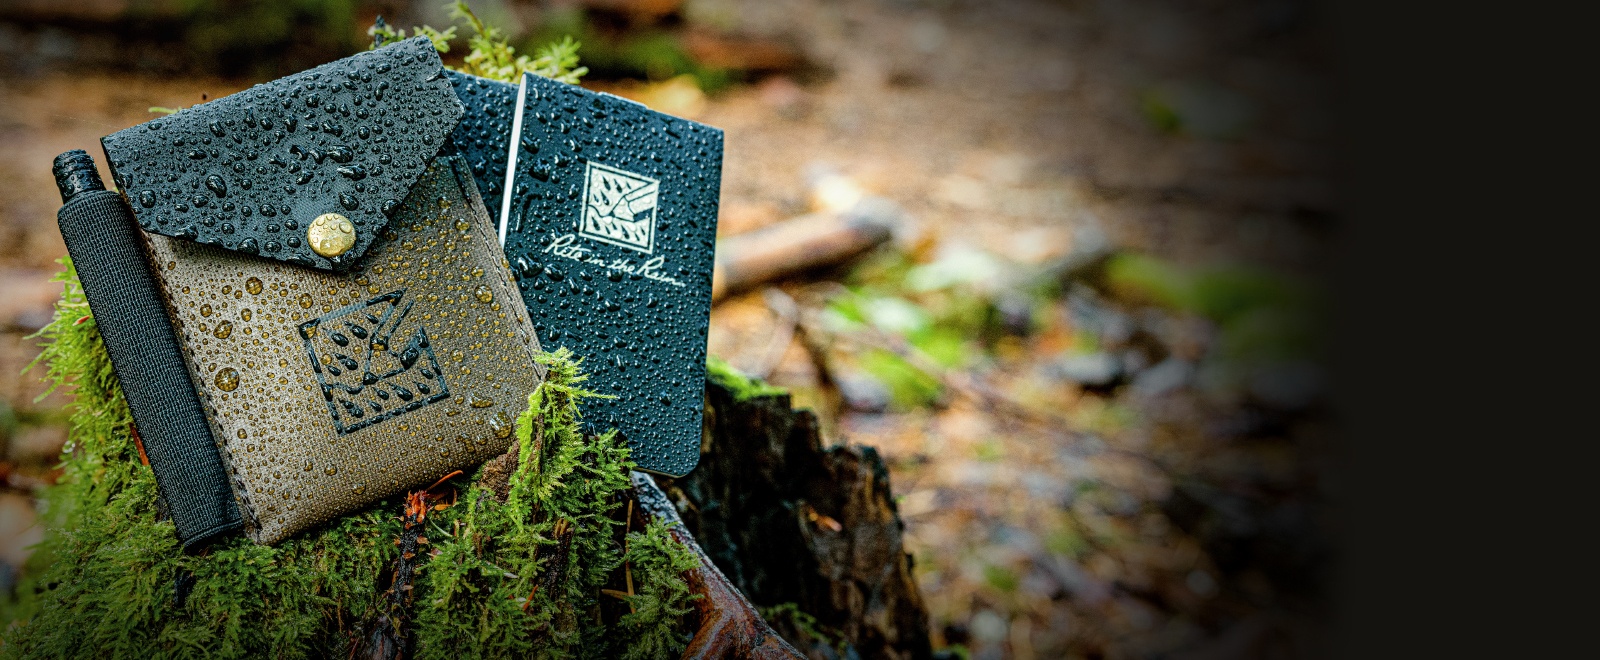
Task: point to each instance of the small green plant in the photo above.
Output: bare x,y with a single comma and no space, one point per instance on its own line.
1263,315
383,34
490,54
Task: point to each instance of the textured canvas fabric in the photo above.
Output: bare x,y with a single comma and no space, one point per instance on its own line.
326,391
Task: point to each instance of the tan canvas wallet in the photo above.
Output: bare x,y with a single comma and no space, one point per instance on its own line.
332,282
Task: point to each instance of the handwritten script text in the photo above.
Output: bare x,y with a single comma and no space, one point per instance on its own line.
568,247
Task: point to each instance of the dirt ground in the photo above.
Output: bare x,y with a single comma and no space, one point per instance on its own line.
1136,521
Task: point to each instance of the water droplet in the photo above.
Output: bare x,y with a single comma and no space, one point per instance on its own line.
253,285
205,310
501,425
305,301
224,330
479,401
484,294
330,470
227,379
341,154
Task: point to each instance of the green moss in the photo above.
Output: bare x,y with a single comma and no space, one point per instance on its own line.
521,578
805,626
742,386
662,601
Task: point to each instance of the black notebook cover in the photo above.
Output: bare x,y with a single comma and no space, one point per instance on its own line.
610,225
483,137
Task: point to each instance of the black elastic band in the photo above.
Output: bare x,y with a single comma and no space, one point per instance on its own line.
106,248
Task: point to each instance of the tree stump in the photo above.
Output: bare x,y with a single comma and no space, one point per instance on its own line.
797,526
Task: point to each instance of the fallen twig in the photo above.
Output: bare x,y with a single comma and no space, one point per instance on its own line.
808,242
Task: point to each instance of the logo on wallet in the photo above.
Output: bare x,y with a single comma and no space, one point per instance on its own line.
619,207
374,362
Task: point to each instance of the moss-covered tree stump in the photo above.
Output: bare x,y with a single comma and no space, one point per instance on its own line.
555,549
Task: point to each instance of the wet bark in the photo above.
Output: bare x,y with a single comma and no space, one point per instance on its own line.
787,520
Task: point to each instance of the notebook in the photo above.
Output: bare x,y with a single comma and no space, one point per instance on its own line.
609,221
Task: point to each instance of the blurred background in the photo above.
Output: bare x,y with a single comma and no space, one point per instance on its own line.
1076,300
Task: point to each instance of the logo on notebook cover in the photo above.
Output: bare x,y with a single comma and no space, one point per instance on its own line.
619,207
369,367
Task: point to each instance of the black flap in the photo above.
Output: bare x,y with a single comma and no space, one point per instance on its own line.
252,171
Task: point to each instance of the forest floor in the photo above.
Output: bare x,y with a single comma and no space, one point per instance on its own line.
1085,469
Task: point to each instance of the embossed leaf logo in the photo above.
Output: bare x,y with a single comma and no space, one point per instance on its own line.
619,207
374,363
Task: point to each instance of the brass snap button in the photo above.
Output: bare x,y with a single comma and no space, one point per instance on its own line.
331,235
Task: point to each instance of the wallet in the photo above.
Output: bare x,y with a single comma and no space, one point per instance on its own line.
330,286
610,223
